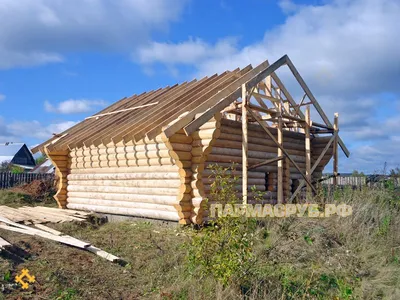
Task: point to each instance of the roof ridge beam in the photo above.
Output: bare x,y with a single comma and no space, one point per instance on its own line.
219,101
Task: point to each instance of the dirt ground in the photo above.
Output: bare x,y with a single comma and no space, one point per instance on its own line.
333,258
64,272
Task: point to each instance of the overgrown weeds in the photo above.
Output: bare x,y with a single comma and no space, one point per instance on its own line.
301,258
356,257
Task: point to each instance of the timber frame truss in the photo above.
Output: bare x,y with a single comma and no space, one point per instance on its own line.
250,94
260,97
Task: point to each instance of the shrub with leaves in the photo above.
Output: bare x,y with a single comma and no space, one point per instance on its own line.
224,248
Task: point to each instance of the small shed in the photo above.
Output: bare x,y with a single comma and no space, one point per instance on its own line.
148,155
17,154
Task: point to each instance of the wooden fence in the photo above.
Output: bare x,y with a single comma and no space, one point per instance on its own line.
8,179
360,181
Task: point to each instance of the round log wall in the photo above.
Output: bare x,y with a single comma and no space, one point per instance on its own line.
170,178
150,178
223,146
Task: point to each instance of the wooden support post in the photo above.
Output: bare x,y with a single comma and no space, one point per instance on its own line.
308,150
327,146
335,149
244,144
280,162
254,115
287,182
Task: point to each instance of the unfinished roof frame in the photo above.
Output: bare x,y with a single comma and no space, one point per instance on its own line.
252,94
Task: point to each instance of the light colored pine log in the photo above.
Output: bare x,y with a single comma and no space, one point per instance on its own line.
308,150
256,147
297,140
260,141
127,204
244,144
335,149
124,176
205,134
253,153
183,155
155,183
146,213
280,154
123,190
156,199
133,169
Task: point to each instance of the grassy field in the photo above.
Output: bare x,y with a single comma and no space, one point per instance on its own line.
357,257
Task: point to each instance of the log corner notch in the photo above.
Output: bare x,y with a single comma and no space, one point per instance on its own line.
203,141
184,205
60,161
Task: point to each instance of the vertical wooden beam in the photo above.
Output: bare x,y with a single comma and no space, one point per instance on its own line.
244,144
308,150
280,153
335,149
268,85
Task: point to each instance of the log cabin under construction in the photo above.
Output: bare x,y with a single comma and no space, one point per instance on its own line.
148,155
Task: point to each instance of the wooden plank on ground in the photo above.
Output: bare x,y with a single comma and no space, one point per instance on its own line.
3,243
54,235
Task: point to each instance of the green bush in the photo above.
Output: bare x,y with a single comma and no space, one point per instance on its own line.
224,249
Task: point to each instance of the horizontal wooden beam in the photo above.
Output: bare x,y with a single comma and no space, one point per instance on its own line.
262,109
267,162
121,110
266,97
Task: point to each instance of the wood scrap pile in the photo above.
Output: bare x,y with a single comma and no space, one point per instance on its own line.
43,231
40,214
4,244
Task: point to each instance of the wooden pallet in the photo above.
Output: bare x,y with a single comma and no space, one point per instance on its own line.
41,214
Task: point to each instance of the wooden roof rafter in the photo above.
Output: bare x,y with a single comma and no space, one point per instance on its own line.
189,105
232,92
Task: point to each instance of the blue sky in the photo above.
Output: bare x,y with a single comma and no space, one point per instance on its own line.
63,60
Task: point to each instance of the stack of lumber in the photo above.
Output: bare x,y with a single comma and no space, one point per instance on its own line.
43,231
41,214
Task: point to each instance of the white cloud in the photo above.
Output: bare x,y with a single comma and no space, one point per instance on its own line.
42,31
73,106
25,131
340,47
2,97
348,52
288,6
34,129
192,51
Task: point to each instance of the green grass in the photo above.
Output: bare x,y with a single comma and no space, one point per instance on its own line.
298,258
18,199
13,199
